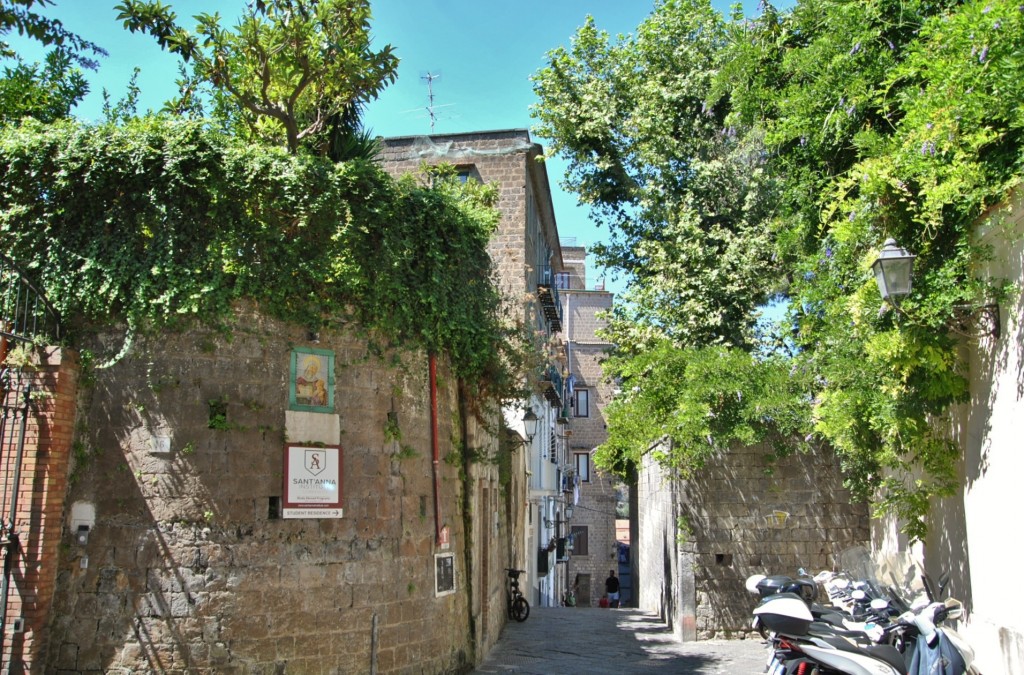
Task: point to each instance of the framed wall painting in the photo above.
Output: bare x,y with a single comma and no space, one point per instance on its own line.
311,382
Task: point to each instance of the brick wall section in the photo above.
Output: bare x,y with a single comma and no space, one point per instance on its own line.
728,507
186,570
38,521
509,160
525,242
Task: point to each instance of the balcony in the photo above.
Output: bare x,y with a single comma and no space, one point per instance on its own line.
547,293
551,387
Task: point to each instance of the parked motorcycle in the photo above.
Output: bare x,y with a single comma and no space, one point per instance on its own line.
884,620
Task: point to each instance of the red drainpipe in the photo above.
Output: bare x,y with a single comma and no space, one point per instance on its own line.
435,452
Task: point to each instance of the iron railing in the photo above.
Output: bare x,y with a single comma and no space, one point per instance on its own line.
25,313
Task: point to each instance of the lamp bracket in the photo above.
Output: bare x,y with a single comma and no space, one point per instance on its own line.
976,321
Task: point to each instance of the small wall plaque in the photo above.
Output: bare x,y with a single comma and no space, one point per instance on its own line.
311,384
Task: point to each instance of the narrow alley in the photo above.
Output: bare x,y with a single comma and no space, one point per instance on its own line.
598,641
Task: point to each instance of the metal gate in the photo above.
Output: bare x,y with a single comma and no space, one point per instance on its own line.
26,319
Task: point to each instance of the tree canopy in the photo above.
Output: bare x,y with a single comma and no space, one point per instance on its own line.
739,161
46,91
289,70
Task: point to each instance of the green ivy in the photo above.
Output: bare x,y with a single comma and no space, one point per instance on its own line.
161,223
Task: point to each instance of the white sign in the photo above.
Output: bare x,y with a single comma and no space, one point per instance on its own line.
312,482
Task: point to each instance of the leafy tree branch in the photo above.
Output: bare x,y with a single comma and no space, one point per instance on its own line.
286,70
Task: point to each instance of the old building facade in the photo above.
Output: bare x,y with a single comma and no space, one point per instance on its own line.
592,492
528,259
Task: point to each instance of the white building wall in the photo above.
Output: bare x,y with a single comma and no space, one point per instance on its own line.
974,535
993,441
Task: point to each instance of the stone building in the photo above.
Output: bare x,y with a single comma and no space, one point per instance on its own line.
528,260
592,527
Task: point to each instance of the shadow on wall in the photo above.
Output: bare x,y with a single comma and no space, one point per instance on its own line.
993,362
190,563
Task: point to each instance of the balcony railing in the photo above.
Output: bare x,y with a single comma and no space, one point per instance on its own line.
551,305
551,386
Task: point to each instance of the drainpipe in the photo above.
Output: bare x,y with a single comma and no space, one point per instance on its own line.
435,452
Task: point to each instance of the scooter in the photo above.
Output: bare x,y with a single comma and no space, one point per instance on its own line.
871,629
802,646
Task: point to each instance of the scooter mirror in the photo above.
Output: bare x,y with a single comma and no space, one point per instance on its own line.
878,604
858,595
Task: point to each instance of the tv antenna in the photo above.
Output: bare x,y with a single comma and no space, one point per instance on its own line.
429,78
431,108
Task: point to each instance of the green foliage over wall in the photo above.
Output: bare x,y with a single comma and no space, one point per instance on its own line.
158,223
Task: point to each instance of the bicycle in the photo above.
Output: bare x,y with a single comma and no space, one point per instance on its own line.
518,607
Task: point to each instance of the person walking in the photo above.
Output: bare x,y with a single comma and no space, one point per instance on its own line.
611,587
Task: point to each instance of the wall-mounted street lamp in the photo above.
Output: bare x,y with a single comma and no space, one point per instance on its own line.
530,424
894,269
554,524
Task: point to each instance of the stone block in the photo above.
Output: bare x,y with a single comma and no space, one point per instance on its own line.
301,427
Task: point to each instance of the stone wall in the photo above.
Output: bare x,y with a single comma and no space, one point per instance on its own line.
522,248
744,513
658,550
190,566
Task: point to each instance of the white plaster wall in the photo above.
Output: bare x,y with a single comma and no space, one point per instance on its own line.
993,440
656,547
976,535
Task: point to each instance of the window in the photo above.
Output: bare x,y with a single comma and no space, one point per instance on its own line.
579,539
562,280
582,401
583,466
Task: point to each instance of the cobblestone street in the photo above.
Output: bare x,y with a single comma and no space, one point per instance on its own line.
619,641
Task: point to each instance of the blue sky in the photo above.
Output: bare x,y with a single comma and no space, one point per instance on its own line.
484,51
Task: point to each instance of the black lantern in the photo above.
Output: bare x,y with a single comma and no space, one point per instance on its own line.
893,270
530,424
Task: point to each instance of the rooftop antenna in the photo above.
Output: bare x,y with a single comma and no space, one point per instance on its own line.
430,77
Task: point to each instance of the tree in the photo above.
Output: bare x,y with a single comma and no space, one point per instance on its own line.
685,198
856,122
17,15
288,71
46,93
49,90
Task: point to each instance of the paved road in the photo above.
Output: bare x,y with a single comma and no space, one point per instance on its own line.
612,641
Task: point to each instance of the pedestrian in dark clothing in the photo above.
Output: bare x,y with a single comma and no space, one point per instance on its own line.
611,586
